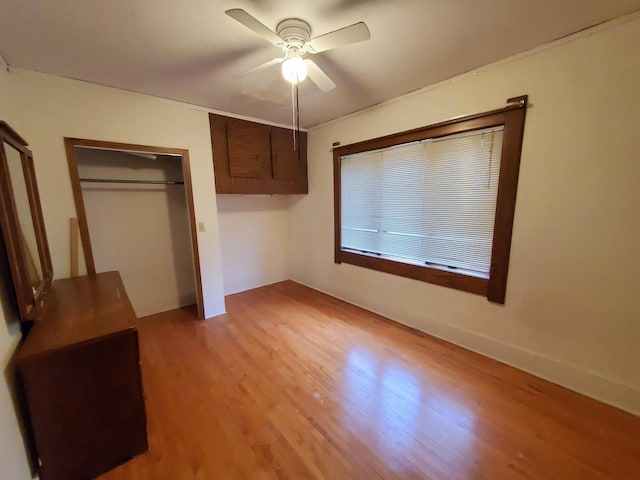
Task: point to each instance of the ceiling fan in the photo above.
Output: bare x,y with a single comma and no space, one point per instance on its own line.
293,36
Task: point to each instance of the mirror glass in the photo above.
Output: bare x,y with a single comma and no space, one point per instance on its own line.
27,232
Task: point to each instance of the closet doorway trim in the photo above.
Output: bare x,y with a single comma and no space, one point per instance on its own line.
72,143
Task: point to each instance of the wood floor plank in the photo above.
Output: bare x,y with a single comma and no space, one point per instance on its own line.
294,384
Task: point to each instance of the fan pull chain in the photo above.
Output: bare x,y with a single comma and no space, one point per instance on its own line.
297,137
293,113
296,114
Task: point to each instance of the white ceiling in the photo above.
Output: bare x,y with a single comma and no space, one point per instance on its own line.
189,50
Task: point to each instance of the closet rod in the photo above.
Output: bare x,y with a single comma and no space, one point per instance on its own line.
145,182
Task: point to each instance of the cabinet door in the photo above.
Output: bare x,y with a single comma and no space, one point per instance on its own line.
248,146
289,161
284,157
241,155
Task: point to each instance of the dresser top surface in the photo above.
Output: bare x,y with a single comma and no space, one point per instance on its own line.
78,310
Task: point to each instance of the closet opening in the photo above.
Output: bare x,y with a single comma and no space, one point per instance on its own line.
135,214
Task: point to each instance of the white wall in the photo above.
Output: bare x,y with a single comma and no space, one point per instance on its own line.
254,237
140,230
44,109
572,311
13,459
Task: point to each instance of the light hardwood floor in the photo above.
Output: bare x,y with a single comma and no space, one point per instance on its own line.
294,384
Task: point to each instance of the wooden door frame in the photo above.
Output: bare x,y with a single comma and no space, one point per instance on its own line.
71,143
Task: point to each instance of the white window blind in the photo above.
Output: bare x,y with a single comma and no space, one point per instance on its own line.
431,202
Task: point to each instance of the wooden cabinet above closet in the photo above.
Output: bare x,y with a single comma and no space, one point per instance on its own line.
254,158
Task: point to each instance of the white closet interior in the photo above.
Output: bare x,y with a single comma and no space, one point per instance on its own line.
139,227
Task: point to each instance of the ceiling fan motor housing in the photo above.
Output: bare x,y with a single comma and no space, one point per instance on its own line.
296,34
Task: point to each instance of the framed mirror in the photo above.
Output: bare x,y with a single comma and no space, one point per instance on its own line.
22,224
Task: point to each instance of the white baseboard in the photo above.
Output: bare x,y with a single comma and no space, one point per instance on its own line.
587,383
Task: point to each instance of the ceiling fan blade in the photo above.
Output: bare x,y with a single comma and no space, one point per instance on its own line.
254,25
318,77
265,65
344,36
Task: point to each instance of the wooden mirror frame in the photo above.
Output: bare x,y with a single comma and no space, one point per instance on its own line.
30,296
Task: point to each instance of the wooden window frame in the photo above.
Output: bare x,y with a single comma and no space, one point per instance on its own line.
512,117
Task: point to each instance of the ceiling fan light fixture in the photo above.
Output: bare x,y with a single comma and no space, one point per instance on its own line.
293,36
294,69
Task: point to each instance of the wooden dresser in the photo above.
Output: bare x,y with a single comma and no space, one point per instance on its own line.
80,369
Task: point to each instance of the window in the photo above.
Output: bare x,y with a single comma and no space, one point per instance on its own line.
434,204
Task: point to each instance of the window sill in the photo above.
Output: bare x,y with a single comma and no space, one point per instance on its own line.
442,276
